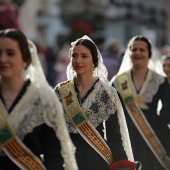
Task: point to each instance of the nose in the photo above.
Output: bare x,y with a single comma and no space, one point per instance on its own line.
2,57
78,59
137,52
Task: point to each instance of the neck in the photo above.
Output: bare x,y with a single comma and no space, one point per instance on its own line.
84,84
11,85
10,89
140,71
85,81
139,76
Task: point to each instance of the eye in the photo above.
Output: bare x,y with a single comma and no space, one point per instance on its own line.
84,56
73,55
142,49
10,54
134,50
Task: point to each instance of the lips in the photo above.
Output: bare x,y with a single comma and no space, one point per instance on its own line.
3,67
78,67
137,58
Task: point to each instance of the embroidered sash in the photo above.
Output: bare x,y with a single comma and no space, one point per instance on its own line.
81,123
15,149
132,102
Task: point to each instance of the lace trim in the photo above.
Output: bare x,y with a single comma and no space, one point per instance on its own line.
150,87
29,113
89,91
25,114
96,107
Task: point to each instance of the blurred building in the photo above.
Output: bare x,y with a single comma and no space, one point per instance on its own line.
54,21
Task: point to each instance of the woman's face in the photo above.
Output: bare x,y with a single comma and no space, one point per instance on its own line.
139,54
11,61
166,67
82,60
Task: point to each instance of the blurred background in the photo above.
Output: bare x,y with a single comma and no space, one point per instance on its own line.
53,24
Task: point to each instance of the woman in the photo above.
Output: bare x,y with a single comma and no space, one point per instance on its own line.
165,112
29,110
140,84
93,112
166,66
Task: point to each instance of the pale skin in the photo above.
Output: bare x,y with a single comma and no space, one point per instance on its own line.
166,68
140,58
82,64
11,67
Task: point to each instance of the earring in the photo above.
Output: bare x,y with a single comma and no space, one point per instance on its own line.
92,68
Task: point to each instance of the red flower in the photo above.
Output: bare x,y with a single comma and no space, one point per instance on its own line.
123,164
83,27
8,17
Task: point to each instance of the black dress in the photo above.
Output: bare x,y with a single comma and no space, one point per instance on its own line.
99,108
40,139
153,93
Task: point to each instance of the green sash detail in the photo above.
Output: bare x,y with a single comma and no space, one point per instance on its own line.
6,133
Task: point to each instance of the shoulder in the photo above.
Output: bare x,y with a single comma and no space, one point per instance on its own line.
107,86
154,76
114,80
44,91
61,84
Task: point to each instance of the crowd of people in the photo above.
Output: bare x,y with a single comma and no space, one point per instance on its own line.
97,116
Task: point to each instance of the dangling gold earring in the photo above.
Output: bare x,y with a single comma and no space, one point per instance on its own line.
92,68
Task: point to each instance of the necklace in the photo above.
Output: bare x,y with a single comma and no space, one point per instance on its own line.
81,92
8,100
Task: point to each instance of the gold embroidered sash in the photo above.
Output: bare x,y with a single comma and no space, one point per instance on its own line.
15,149
132,102
81,123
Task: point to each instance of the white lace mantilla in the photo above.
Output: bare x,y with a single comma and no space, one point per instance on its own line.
99,105
96,107
151,86
36,107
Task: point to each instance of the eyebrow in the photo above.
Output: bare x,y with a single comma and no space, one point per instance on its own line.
80,53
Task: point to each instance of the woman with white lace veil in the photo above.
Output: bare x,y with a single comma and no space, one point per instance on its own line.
93,112
31,115
141,83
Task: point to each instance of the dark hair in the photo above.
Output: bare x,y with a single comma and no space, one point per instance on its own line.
21,39
166,57
92,47
144,39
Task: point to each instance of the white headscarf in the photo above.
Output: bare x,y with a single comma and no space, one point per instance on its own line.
101,72
37,77
153,64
